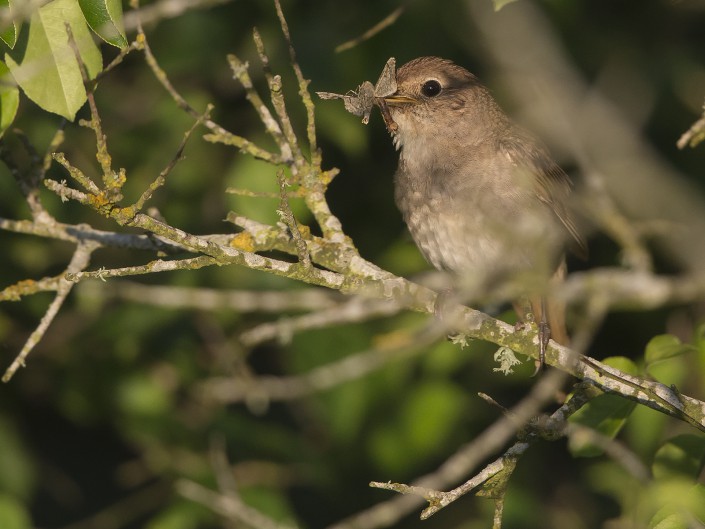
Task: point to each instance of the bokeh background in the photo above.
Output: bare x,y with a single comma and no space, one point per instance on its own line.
107,416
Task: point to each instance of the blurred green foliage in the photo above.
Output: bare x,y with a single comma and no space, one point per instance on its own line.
108,407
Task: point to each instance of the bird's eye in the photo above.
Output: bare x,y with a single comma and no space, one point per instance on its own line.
431,88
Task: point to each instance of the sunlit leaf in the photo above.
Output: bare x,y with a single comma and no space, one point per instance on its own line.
605,414
13,515
683,505
105,18
683,455
665,346
10,33
9,98
499,4
622,363
699,338
666,519
44,64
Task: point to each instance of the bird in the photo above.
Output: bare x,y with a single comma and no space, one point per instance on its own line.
480,196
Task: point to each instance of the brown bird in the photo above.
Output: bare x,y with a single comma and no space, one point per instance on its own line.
479,195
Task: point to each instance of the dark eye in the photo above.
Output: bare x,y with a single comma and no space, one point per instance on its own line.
431,88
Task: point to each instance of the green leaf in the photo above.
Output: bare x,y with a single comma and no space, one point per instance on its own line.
622,363
605,414
13,515
9,34
44,64
105,18
665,346
699,338
683,505
668,520
9,98
683,456
499,4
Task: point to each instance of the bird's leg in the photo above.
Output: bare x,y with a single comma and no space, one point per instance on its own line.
544,337
447,316
444,300
525,314
533,311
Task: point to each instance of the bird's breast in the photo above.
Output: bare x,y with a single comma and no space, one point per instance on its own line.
463,220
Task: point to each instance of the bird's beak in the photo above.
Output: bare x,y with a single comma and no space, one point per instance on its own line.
399,100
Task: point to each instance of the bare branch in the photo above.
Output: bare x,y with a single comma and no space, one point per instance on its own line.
303,92
457,467
28,179
230,507
277,97
79,261
210,299
383,24
270,388
356,310
468,456
613,448
218,133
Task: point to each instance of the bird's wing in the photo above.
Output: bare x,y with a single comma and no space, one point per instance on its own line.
552,185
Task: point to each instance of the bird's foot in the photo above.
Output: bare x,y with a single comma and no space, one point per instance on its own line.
447,314
544,337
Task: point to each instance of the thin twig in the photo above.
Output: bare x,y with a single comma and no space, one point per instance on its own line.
78,175
479,448
29,179
313,180
383,24
254,194
135,45
356,310
287,216
694,135
303,89
29,287
126,511
230,507
457,466
353,367
211,299
218,133
221,466
111,180
271,125
161,179
612,448
79,261
276,94
82,232
158,265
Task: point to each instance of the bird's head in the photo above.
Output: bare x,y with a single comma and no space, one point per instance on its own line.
435,97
